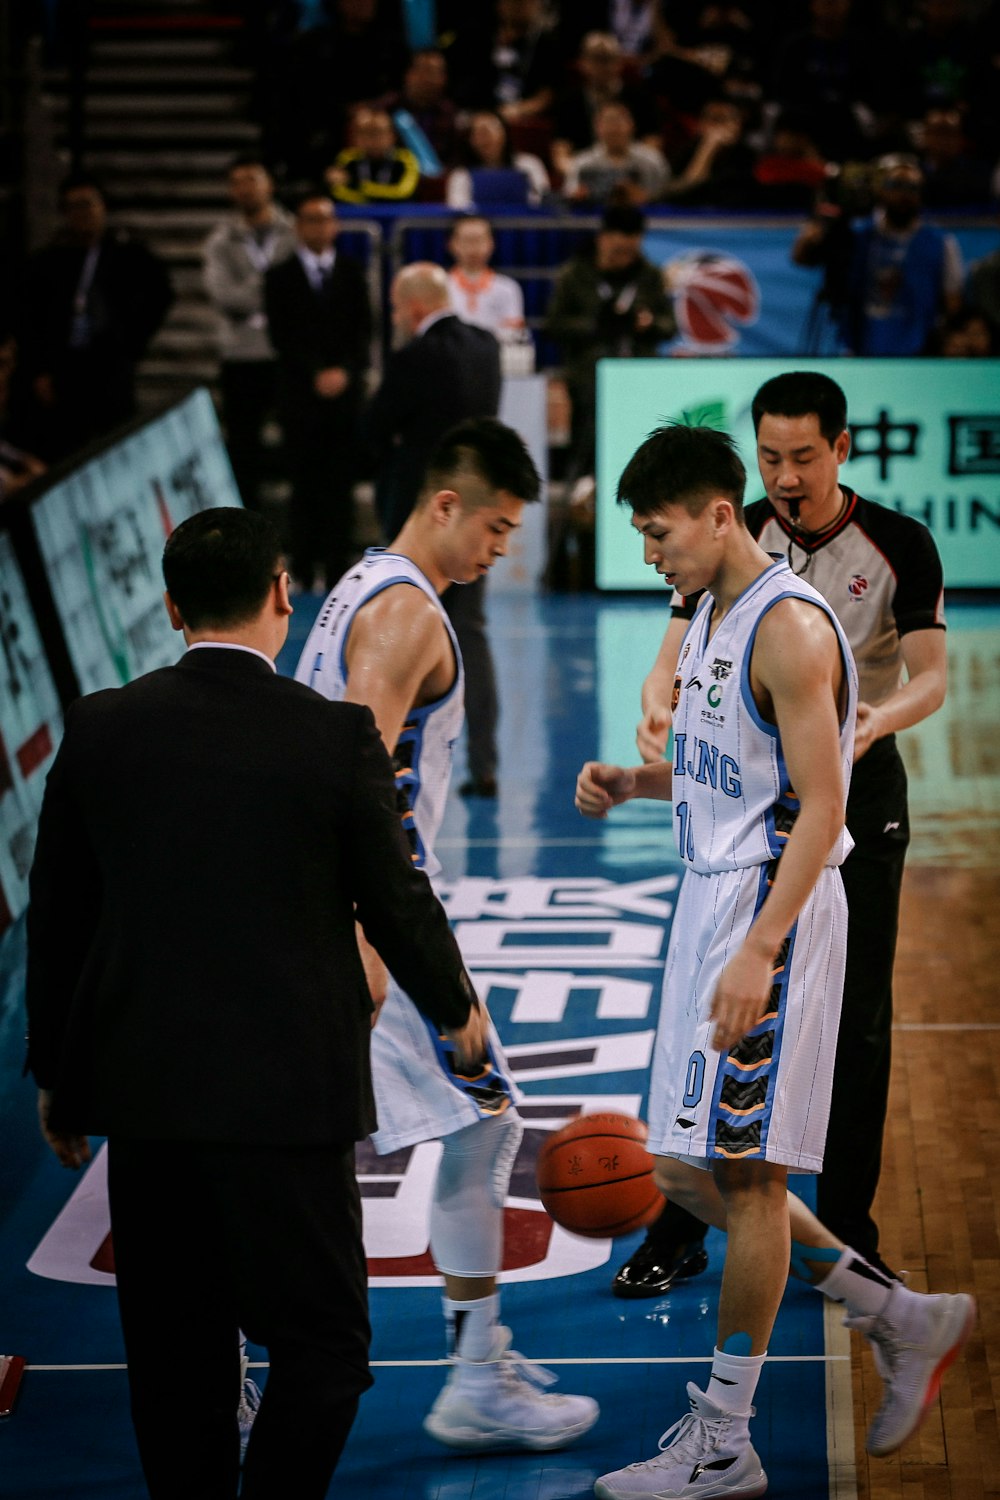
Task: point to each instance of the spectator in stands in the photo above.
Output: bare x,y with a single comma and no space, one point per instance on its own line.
982,290
791,170
479,294
893,276
965,334
618,168
936,56
834,72
309,86
320,323
425,100
699,51
375,169
954,177
599,79
630,22
517,69
609,301
93,300
717,166
488,148
236,255
18,467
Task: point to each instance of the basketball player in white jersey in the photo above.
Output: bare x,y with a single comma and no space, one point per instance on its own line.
764,710
382,638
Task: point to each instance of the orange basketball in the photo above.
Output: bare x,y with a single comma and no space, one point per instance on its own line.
595,1176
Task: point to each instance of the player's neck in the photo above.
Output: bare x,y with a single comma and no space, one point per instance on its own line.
416,543
742,562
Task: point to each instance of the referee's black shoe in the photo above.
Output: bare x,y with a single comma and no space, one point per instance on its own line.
653,1269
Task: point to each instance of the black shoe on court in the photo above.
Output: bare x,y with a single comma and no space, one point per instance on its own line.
479,786
653,1269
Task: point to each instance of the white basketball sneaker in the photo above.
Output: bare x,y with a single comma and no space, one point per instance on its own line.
501,1403
914,1340
706,1453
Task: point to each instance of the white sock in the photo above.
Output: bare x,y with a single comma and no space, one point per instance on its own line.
864,1290
472,1326
733,1381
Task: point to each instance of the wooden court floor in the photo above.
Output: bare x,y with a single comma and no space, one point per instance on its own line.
939,1205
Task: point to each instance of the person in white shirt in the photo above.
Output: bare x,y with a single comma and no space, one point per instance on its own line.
618,167
479,294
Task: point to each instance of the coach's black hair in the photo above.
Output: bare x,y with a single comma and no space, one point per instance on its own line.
680,465
219,565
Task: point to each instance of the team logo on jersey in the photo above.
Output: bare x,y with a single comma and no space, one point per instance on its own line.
714,695
675,696
720,669
857,586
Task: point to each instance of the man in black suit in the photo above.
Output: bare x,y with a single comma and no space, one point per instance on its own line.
195,993
448,370
92,301
319,319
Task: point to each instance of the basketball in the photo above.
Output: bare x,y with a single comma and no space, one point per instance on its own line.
595,1177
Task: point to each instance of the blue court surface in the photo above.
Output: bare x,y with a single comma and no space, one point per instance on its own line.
564,925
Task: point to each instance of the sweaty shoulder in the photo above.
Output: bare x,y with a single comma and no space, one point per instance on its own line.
794,636
400,618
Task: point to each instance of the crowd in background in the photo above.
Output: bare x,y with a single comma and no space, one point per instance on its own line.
868,120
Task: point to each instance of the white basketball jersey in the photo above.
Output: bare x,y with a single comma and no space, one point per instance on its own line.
422,759
734,805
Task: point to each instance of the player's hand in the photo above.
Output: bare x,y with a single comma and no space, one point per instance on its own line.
866,731
652,733
600,787
470,1040
72,1150
741,997
376,973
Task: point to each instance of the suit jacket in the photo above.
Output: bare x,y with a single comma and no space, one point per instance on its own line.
314,331
439,378
193,974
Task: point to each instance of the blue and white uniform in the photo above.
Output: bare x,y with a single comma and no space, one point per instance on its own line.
768,1098
418,1095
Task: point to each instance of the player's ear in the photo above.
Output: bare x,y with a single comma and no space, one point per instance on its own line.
842,446
444,504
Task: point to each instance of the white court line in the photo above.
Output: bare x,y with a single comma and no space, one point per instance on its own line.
433,1364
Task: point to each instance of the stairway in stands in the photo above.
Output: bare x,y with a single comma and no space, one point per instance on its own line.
167,107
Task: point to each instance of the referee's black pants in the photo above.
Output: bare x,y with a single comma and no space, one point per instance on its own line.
212,1239
878,821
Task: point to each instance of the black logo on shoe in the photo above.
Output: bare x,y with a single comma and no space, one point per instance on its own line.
717,1466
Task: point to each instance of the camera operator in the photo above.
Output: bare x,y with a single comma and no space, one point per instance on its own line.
890,276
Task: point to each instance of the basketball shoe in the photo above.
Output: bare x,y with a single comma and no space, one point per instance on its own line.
501,1403
914,1340
706,1453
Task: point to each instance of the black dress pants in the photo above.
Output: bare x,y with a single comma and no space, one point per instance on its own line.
248,388
322,456
212,1239
466,606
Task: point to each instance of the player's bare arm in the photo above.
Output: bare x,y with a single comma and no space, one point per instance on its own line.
922,694
653,730
600,787
398,655
797,678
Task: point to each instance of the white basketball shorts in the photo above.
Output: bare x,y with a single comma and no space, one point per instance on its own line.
418,1095
768,1099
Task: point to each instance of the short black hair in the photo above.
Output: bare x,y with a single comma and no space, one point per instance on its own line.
623,218
488,449
219,565
803,393
681,465
82,180
250,159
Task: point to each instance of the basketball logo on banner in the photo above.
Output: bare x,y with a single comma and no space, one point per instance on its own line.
713,296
